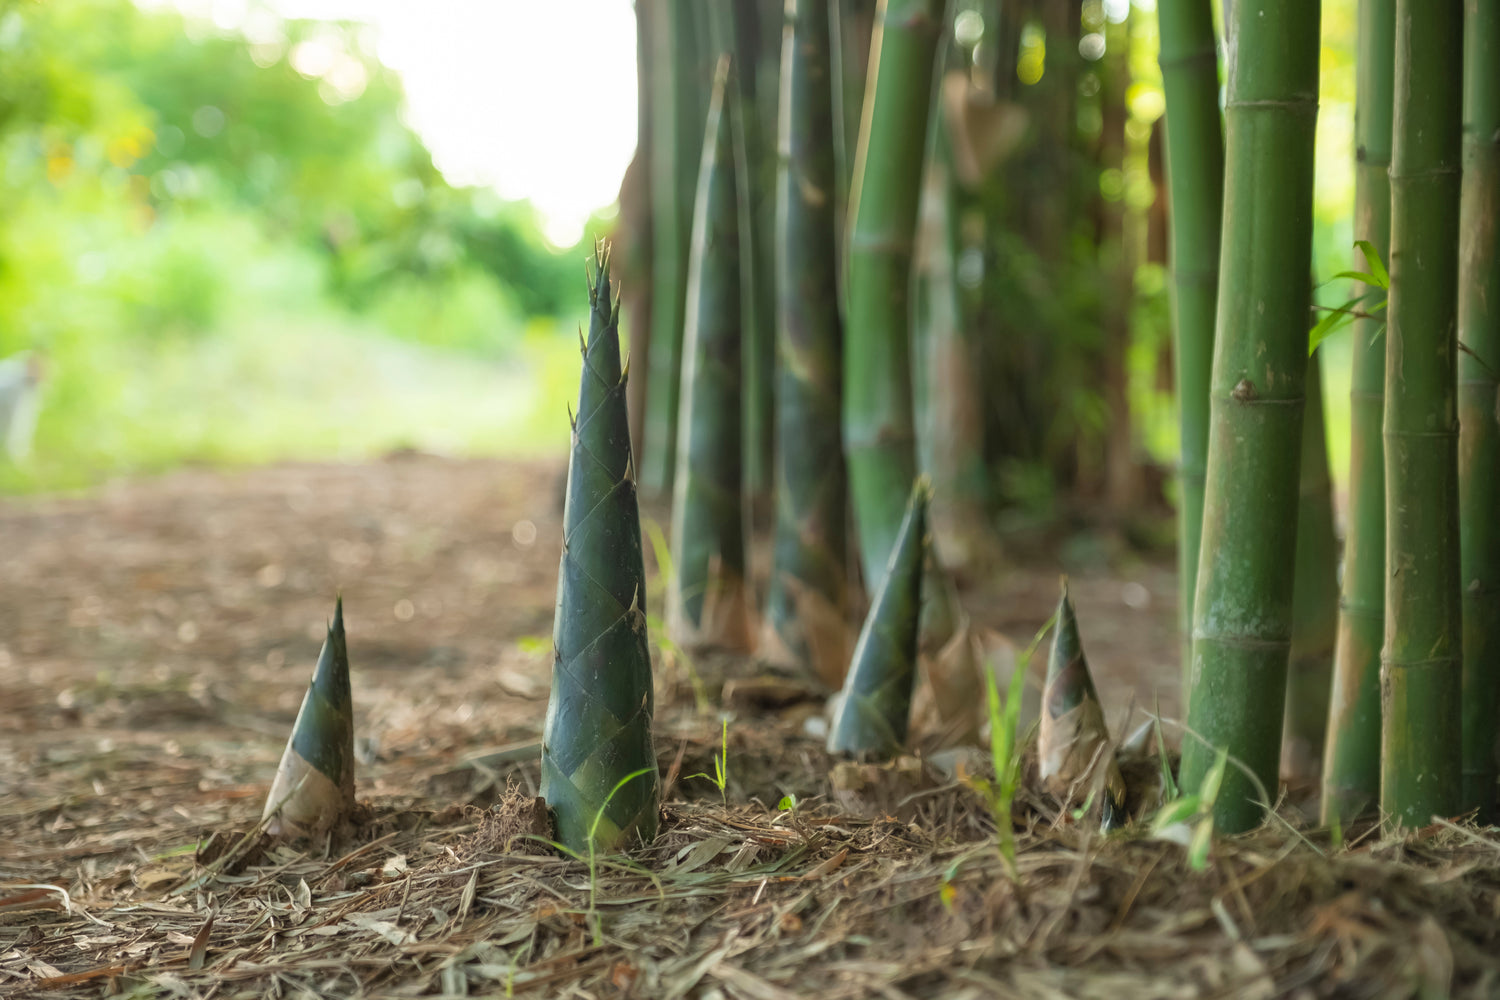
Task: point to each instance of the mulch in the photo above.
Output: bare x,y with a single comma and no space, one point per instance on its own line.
155,641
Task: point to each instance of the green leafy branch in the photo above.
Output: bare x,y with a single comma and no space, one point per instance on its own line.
1376,277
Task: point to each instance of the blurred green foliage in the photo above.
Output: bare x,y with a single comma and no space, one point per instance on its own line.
167,189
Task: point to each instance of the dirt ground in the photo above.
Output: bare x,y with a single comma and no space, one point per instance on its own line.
156,639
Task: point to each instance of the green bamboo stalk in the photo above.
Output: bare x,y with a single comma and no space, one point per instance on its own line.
1478,393
1351,761
313,791
1243,609
1315,608
676,120
874,709
809,601
707,600
1195,186
755,51
634,230
852,27
879,438
946,398
599,775
1421,663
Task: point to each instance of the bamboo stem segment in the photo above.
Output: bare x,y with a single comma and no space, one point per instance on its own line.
807,620
1421,663
1351,760
1243,608
1315,608
879,435
1478,396
708,596
1195,185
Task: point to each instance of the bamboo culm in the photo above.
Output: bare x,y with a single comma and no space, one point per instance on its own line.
1351,759
1421,663
707,598
879,437
1478,393
1242,611
1315,608
809,601
1195,185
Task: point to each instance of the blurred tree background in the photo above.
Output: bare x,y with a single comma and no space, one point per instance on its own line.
233,249
230,250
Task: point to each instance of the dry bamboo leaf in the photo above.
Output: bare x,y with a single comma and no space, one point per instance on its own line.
199,949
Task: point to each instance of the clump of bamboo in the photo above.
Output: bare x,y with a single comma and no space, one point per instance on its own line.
1478,389
1351,759
599,775
874,708
313,791
1076,758
807,621
1421,668
1243,608
708,603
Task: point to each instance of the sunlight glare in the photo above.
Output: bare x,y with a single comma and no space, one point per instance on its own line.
537,100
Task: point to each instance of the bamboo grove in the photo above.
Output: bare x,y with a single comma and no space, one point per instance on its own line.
918,239
890,288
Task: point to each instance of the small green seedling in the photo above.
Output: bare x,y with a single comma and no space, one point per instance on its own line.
1335,826
1000,795
720,777
1189,819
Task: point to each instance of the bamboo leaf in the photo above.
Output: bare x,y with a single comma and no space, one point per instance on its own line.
1203,835
1377,266
1331,324
1209,790
1179,810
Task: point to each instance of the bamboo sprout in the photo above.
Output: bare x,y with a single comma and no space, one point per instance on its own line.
874,708
1076,758
599,775
313,791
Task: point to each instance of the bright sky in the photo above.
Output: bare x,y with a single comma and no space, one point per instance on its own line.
533,97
